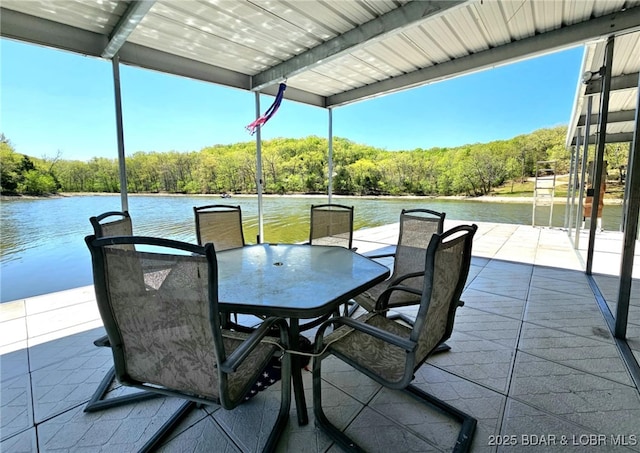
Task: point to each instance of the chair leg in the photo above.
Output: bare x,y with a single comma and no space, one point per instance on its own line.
285,406
102,342
160,435
463,442
465,436
350,308
165,430
97,401
442,347
321,419
402,317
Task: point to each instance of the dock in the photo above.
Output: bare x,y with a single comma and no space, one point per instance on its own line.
532,358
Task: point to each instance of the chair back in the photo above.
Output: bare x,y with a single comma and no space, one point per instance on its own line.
166,331
220,225
331,224
417,226
448,259
112,223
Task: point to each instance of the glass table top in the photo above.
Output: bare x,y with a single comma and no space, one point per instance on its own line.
293,280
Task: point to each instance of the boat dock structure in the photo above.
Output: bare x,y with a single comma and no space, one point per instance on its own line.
544,352
532,357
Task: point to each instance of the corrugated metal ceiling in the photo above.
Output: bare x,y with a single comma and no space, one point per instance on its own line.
331,52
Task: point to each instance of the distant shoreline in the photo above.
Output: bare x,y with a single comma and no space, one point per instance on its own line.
484,198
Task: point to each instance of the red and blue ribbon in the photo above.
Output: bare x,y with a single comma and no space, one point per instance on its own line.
270,111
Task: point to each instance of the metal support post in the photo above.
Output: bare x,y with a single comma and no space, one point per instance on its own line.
571,192
625,197
259,181
124,201
583,171
630,229
330,160
599,159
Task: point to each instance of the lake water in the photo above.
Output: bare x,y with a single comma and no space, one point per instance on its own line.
43,250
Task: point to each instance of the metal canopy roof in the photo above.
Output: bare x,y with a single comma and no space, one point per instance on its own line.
623,95
331,52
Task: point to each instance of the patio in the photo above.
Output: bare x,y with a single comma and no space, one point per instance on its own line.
532,359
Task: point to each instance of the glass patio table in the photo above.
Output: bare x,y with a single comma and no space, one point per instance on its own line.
293,281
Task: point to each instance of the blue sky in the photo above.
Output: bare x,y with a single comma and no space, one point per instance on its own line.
54,101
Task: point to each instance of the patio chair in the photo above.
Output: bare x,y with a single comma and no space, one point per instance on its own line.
219,224
112,223
417,226
160,310
390,352
331,224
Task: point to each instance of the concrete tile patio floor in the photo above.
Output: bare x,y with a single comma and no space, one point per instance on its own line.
532,359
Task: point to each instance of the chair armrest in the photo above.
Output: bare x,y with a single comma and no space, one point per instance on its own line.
235,359
402,278
368,329
383,255
383,300
384,252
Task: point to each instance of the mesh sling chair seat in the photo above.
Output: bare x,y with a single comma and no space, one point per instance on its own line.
390,352
112,223
160,310
219,224
331,224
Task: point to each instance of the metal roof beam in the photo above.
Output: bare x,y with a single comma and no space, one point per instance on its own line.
145,57
148,58
571,35
394,21
128,22
623,82
32,29
622,137
614,117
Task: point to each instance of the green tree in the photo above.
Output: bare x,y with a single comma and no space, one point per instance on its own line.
74,176
22,174
35,182
9,167
366,177
105,175
301,165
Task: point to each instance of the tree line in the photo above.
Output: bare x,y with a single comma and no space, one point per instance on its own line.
296,166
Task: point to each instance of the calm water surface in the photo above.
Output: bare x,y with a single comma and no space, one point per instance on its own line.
43,250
